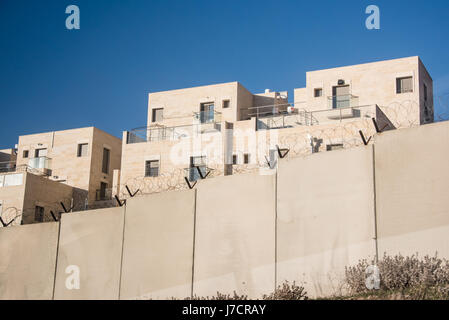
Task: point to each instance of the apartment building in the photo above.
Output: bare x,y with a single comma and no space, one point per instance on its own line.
385,83
225,129
26,197
71,166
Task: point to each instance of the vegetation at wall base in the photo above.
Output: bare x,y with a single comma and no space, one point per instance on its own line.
401,278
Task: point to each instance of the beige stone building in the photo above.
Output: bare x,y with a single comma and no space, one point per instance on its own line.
224,129
26,197
71,166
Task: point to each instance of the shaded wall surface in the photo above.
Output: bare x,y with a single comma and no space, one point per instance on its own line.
158,247
27,261
412,184
325,217
91,241
235,236
246,233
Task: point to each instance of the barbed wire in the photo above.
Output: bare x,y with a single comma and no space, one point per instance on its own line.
402,114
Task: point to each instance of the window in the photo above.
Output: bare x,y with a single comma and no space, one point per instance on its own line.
103,187
226,104
246,158
26,153
404,85
335,146
425,92
234,159
39,214
152,168
207,112
157,115
106,155
318,92
82,150
341,97
38,153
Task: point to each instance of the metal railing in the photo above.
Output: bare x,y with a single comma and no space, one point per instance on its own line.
7,166
163,133
342,101
40,163
310,118
207,116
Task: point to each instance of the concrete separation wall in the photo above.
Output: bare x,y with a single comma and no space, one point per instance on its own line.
235,235
27,261
158,247
412,184
92,241
247,233
325,217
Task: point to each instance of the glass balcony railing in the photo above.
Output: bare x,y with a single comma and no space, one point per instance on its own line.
207,116
40,163
342,101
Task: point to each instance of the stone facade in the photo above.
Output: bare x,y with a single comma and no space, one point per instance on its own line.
236,131
75,167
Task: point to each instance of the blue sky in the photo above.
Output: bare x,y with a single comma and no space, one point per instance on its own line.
52,78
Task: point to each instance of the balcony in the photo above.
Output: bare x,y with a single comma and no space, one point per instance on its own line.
210,116
40,164
8,166
342,101
295,117
164,133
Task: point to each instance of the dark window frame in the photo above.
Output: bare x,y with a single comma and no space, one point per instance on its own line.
399,85
78,153
39,213
37,151
151,172
153,114
246,158
106,161
226,104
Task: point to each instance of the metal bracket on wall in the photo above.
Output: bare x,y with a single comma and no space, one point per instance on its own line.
130,193
54,216
201,174
65,209
377,127
365,142
282,152
189,184
120,202
6,224
270,165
